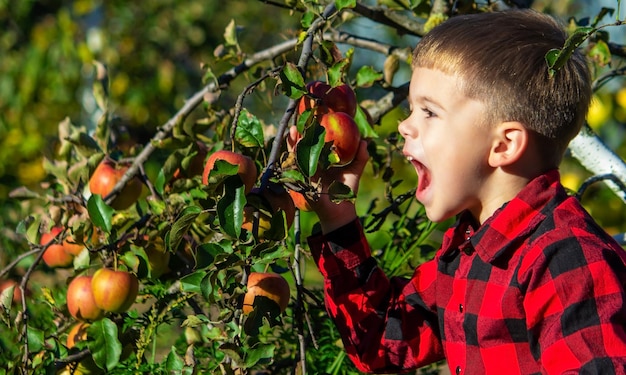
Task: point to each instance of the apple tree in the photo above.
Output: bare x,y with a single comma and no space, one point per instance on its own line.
187,253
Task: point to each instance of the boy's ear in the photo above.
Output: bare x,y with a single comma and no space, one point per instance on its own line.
509,144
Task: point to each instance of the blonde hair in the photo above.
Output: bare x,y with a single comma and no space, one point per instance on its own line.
500,58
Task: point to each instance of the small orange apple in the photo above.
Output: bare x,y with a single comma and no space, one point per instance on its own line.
247,170
57,254
107,174
266,284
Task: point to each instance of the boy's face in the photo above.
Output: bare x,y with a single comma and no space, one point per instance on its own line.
447,144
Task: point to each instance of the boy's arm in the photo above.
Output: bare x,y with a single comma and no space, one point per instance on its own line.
386,325
576,304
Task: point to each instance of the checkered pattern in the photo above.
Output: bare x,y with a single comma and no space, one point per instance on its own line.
538,288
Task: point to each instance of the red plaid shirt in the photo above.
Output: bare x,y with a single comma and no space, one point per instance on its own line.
538,288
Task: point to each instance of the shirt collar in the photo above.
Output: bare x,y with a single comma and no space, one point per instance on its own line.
510,224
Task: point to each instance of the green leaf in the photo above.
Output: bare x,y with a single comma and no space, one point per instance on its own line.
367,76
100,213
309,149
249,131
232,351
339,70
36,341
206,286
174,363
340,4
259,352
105,348
208,252
556,58
230,34
84,143
222,170
292,176
230,206
363,124
181,226
29,227
191,283
603,12
292,81
340,192
82,260
6,298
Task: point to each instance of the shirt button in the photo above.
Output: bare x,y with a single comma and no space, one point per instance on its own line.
460,307
458,370
468,250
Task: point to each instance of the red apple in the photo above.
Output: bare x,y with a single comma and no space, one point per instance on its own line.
80,300
344,133
114,291
325,98
57,254
247,169
266,284
107,174
267,202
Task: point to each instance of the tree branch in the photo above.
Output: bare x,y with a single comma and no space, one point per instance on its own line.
597,158
166,129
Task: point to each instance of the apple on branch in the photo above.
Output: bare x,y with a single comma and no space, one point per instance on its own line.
80,300
114,290
57,255
247,170
104,178
344,134
323,98
269,285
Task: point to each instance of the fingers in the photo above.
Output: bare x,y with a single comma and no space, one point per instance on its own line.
292,138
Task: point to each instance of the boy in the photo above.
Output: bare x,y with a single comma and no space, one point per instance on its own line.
525,281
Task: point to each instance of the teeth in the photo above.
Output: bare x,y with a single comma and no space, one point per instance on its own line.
409,158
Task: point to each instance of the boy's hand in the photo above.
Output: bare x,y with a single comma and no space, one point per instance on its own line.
335,215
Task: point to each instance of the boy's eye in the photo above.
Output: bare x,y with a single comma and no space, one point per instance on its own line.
428,113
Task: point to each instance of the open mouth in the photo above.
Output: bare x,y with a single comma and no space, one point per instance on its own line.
423,177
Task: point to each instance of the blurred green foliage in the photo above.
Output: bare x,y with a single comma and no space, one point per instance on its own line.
154,52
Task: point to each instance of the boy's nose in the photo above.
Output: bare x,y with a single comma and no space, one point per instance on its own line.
404,129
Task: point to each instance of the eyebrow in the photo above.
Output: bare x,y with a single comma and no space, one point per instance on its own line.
428,100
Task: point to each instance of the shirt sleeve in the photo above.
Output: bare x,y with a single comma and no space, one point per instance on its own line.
575,303
386,324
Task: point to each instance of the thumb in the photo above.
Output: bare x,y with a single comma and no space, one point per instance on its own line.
292,138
